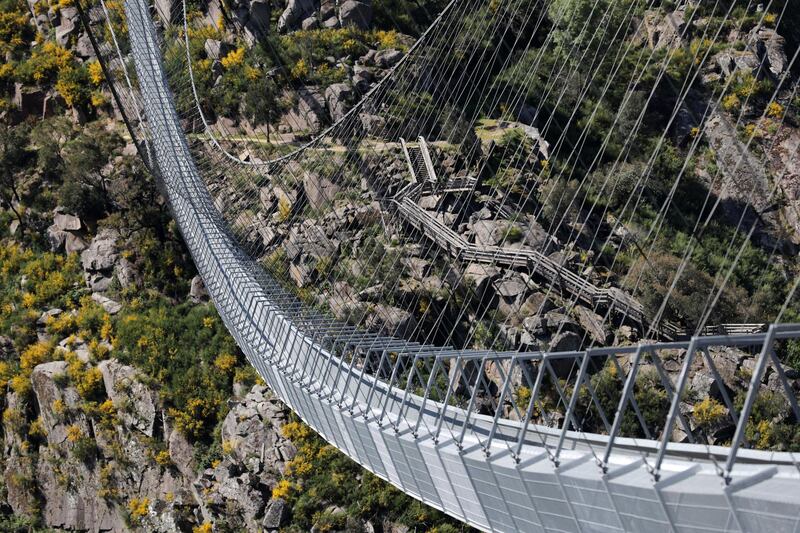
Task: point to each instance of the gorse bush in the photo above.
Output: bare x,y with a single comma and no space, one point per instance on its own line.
187,350
320,476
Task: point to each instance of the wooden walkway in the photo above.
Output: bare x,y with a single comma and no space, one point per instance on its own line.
537,264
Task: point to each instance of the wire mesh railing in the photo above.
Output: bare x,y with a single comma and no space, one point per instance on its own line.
659,401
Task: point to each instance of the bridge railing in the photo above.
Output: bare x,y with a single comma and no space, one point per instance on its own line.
520,403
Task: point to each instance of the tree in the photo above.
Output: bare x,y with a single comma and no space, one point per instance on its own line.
14,156
262,102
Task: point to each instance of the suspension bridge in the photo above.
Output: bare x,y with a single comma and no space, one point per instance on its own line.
501,438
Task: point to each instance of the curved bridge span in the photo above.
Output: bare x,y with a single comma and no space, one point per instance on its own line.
389,403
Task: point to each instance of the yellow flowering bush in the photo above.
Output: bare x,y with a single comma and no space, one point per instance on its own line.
296,431
709,412
225,362
21,385
138,508
91,383
162,458
14,29
282,489
59,408
106,329
205,527
387,39
775,110
107,408
191,420
731,103
228,447
233,59
95,72
300,70
72,86
251,73
36,429
35,354
74,433
46,62
28,300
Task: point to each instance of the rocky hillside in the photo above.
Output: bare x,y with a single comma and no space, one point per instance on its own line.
128,407
126,404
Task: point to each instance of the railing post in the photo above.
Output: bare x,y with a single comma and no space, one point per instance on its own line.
623,402
674,406
752,393
473,397
531,406
571,407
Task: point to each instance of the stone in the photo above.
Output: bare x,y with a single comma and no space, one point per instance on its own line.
489,232
536,237
47,391
362,77
307,115
320,191
558,321
330,22
770,46
356,13
372,124
536,325
67,222
83,47
28,100
295,12
258,22
511,290
124,389
536,304
276,514
725,63
391,321
387,58
252,429
56,238
65,30
102,252
247,497
417,267
481,276
511,286
74,243
181,453
45,317
592,323
111,307
301,273
216,49
7,350
747,61
97,282
566,341
310,23
197,290
684,124
337,98
743,179
168,10
664,31
126,273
